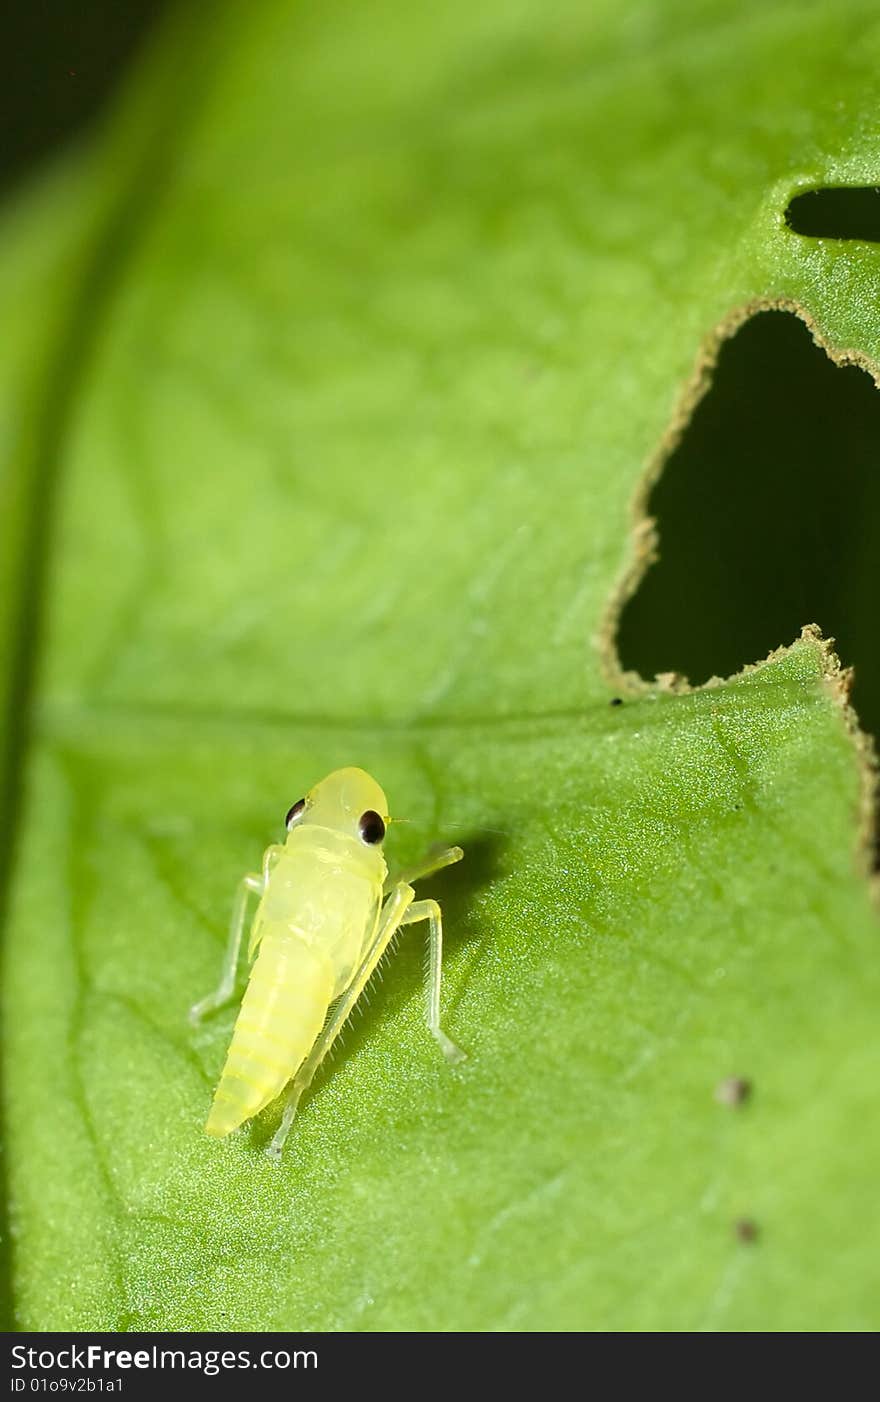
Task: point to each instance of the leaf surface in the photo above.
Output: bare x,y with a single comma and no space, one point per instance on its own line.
378,328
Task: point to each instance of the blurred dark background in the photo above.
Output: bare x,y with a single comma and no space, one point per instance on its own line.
62,60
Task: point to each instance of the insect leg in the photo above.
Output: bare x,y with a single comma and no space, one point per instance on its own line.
434,861
224,992
393,912
430,911
270,859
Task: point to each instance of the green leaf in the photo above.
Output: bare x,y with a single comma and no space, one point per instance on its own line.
340,359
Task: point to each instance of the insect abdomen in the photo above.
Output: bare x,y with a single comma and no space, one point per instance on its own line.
282,1012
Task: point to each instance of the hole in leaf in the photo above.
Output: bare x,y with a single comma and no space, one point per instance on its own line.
768,513
843,212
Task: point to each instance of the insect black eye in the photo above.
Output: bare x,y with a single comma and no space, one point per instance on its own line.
371,827
295,813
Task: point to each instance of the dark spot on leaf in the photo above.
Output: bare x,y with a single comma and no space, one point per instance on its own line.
841,212
745,1229
733,1090
616,701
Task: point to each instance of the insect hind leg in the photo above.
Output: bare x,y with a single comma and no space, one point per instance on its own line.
429,910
